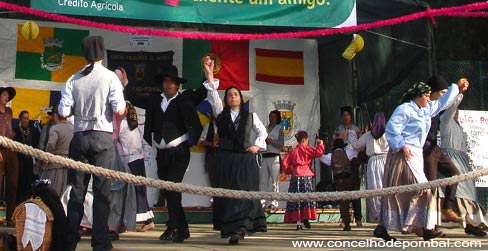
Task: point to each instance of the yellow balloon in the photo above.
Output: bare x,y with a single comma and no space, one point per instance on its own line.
30,30
356,45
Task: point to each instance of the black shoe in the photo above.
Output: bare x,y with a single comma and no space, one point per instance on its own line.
476,231
431,234
380,232
234,239
181,235
347,228
299,227
167,235
306,223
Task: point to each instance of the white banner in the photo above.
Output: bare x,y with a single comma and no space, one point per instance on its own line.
475,124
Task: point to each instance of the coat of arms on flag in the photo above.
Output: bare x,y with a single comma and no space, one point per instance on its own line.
54,55
289,123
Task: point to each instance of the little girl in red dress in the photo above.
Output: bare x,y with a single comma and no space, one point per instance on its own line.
297,164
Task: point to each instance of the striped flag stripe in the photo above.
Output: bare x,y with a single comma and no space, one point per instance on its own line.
279,53
280,80
281,67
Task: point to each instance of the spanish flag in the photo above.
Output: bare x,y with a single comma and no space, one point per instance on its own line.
279,66
53,56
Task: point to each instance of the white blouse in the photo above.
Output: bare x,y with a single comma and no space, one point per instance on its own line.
217,108
373,146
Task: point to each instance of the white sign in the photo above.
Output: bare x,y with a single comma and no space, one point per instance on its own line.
475,124
140,40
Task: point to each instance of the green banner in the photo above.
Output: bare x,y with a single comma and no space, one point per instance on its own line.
296,13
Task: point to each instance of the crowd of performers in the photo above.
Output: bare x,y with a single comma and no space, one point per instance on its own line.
104,131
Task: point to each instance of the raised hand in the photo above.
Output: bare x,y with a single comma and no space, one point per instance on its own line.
463,85
209,65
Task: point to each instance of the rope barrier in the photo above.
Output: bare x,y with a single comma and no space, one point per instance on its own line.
457,11
219,192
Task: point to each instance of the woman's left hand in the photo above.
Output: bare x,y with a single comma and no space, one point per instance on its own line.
253,149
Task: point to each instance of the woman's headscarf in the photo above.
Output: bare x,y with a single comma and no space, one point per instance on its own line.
417,90
378,125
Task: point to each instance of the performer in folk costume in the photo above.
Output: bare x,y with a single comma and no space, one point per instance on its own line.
435,161
92,95
376,149
9,161
453,144
406,132
297,164
172,126
241,136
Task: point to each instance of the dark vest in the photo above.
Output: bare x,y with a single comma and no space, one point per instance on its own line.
340,163
227,144
172,123
180,117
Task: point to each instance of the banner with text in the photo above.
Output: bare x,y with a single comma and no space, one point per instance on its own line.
141,67
475,124
295,13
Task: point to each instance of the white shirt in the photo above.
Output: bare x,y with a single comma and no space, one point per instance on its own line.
373,146
327,158
174,143
166,101
115,95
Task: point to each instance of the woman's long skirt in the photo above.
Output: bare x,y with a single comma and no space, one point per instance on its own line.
405,211
58,176
302,210
374,180
143,210
466,197
237,171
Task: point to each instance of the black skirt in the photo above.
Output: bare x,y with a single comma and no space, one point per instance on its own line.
237,171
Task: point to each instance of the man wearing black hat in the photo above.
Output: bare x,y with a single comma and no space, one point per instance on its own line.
435,161
9,163
172,125
92,95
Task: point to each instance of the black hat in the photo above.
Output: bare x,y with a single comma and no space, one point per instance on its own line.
338,143
93,48
346,109
437,83
170,71
11,92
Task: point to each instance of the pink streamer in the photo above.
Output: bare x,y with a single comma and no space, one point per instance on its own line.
459,11
173,3
468,14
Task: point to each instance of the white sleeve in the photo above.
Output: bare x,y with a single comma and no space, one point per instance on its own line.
358,144
326,159
203,136
66,102
260,130
116,94
350,154
213,96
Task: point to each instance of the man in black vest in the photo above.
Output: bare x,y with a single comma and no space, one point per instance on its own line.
172,125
